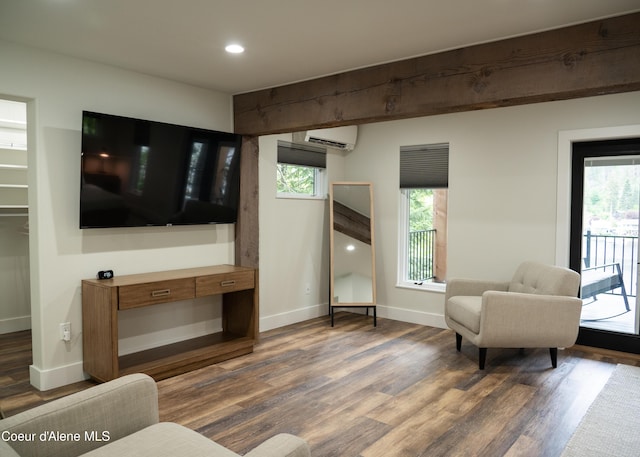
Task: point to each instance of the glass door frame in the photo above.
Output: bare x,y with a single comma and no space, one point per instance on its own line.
580,151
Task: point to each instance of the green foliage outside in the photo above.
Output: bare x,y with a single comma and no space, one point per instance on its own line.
295,179
420,219
611,198
420,209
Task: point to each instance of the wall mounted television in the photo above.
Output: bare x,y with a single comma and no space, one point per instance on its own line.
140,173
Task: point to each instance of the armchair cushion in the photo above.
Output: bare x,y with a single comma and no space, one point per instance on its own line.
165,439
466,310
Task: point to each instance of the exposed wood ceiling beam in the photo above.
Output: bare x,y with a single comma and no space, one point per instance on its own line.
600,57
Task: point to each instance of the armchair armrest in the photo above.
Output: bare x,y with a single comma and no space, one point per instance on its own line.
117,408
512,319
282,445
472,287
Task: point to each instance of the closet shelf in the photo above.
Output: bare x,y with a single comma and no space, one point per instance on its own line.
14,207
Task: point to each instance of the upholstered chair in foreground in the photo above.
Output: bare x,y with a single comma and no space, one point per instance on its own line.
118,418
537,308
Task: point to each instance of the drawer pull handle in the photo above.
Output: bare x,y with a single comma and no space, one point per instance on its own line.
230,282
160,293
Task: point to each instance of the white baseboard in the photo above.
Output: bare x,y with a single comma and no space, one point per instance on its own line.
56,377
293,317
387,312
15,324
412,316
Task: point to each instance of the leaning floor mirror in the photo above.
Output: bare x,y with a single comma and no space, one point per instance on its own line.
353,272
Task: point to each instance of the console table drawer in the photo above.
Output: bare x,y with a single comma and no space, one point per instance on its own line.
137,295
222,283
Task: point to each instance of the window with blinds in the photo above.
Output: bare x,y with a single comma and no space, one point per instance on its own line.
301,171
424,179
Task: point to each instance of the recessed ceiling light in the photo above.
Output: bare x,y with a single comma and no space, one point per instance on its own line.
234,49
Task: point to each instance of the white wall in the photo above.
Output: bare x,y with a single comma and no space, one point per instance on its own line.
502,199
57,89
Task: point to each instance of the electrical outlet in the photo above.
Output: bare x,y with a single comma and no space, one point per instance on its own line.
65,331
307,289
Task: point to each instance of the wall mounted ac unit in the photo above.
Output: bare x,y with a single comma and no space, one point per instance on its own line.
336,137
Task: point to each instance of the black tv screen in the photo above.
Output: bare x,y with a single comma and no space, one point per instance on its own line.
143,173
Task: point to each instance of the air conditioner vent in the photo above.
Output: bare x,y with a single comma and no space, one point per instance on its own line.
343,138
329,143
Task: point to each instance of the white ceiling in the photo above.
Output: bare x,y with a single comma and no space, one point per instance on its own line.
286,40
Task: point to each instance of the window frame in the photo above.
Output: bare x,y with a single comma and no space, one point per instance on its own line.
319,186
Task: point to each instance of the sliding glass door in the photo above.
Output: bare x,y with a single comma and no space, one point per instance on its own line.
605,222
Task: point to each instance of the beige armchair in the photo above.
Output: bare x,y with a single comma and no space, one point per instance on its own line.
537,308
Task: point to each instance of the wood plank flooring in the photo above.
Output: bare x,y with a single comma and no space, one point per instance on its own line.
357,391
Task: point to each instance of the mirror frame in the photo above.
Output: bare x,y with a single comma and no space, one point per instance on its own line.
332,303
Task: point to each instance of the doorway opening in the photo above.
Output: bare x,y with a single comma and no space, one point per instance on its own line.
605,221
15,302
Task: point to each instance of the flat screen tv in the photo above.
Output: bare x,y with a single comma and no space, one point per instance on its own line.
143,173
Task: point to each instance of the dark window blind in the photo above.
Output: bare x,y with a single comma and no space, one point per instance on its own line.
424,166
301,154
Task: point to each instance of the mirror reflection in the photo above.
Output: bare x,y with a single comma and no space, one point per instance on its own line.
352,246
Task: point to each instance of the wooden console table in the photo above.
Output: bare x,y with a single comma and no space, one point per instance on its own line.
102,299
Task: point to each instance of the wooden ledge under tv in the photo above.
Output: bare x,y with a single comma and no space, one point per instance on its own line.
102,299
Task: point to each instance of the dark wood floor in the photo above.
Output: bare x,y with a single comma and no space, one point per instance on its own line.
354,390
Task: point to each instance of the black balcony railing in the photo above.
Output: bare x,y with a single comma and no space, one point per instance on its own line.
421,255
597,249
608,249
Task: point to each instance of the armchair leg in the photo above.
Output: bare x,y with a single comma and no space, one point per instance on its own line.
458,342
482,357
554,357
